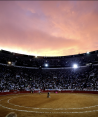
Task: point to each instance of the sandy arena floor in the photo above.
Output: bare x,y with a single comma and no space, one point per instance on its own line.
58,105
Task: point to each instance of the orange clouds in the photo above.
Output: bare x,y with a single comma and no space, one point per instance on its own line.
50,28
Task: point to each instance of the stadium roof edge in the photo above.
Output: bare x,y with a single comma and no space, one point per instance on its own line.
18,54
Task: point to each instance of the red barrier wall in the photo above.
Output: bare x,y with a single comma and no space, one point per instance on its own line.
93,92
71,91
18,92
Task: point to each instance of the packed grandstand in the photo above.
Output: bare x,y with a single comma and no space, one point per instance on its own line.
27,73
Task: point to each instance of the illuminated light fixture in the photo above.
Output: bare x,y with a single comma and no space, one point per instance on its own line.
46,65
9,62
75,66
36,56
87,52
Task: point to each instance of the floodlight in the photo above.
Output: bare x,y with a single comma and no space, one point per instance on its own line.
87,52
36,56
46,65
9,62
75,66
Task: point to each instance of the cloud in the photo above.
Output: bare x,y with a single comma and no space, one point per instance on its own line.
33,40
49,27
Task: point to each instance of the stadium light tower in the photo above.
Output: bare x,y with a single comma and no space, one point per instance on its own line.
75,66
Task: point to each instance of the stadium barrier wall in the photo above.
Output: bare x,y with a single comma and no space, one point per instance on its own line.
73,91
69,91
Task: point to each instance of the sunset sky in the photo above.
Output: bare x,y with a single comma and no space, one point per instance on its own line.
49,28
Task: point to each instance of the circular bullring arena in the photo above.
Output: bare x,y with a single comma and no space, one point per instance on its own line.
58,105
73,88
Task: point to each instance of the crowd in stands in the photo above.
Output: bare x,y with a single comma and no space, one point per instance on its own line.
24,79
29,73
